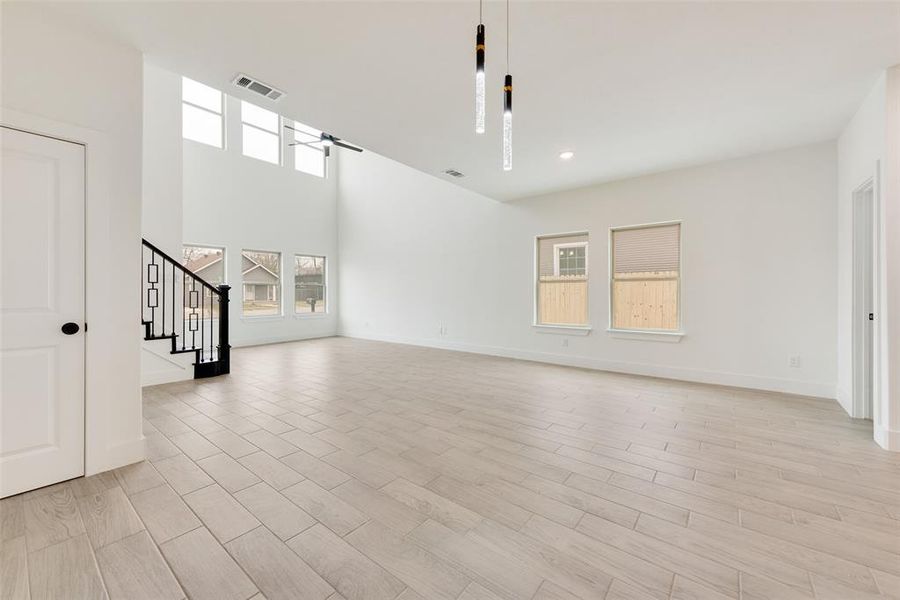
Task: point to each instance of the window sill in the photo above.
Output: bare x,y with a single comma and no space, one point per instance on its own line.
310,315
647,336
563,329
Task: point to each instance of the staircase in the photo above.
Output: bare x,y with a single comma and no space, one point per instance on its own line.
189,312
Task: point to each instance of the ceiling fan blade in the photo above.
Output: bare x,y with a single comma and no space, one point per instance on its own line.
341,144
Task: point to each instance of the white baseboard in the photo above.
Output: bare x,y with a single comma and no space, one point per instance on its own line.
845,399
887,438
262,341
756,382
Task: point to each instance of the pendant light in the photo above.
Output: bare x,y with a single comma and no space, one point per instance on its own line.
479,71
507,105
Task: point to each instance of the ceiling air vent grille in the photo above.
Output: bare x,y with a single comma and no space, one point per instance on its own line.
254,85
453,173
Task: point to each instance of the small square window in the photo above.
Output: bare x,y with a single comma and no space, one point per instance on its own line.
201,113
259,133
309,153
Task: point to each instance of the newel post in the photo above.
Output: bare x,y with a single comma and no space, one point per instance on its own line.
224,346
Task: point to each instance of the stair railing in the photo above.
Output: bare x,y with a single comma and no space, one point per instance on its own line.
181,306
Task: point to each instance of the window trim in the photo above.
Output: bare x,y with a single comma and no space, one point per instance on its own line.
536,283
556,248
277,134
221,116
280,286
647,334
327,311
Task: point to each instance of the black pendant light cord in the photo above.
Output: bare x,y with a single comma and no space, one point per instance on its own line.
507,36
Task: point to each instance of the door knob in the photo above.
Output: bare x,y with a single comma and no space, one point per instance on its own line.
70,328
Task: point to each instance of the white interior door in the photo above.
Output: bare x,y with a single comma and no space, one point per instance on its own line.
41,290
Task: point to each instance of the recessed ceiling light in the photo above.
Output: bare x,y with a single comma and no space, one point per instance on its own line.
566,155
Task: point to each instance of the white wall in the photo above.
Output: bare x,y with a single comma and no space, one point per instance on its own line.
887,410
869,148
240,203
161,215
759,276
860,149
161,211
60,81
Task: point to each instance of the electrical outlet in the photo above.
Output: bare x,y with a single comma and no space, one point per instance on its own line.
794,361
565,343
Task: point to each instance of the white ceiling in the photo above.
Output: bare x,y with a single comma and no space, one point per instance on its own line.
630,87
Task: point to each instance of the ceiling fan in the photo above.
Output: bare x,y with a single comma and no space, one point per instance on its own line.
326,140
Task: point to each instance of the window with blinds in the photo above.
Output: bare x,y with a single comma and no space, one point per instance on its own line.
646,277
562,280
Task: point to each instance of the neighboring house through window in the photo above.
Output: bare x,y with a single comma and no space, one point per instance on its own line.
570,259
261,283
207,263
309,284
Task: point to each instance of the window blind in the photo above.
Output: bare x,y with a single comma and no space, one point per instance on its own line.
647,249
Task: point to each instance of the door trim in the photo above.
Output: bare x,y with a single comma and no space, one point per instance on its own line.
112,421
861,408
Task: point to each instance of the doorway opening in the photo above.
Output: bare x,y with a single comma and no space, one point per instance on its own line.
864,299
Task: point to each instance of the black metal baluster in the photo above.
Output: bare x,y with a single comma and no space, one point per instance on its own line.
212,330
174,320
152,287
202,324
224,353
193,310
163,297
193,314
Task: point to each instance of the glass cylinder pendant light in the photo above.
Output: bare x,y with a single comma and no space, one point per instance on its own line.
479,79
507,123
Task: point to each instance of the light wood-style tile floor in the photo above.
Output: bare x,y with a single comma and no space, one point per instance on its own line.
342,468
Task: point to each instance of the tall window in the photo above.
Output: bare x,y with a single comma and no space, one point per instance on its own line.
309,284
562,280
201,113
261,283
208,264
260,133
309,154
646,277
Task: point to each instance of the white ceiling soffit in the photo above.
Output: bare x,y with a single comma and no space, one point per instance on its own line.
631,87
